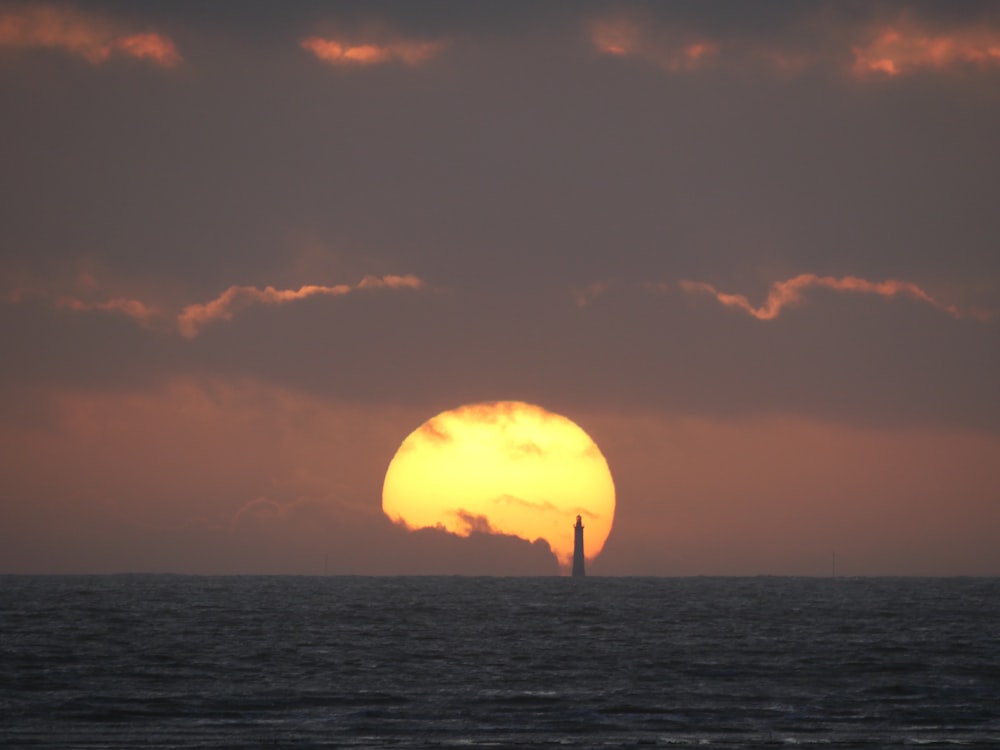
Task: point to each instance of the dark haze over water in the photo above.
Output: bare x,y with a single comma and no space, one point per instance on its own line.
133,661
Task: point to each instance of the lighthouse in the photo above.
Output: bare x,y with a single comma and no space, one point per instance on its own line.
578,571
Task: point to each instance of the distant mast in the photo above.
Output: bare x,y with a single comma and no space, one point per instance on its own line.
578,571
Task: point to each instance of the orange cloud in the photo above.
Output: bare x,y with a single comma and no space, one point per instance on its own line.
906,47
789,293
84,294
138,311
672,52
343,53
391,281
94,38
891,48
236,298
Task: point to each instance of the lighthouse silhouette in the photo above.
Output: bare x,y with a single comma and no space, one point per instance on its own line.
578,571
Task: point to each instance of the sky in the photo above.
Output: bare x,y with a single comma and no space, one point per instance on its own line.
750,248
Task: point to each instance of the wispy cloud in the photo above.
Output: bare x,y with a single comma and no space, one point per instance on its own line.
94,38
133,308
790,292
518,449
344,53
873,48
673,51
904,46
543,506
83,293
85,296
193,317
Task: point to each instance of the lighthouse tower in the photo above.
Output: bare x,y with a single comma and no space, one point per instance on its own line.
578,571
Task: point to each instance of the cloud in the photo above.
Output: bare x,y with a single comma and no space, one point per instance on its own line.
525,449
670,50
139,311
433,431
869,48
83,293
343,53
789,293
193,317
544,505
905,46
236,298
91,37
474,523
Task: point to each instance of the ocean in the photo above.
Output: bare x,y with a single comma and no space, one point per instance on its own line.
225,662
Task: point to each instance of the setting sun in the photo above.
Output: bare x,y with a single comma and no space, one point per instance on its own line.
505,468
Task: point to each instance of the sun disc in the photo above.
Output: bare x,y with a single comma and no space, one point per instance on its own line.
503,467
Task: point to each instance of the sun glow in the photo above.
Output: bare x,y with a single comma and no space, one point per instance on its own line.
505,468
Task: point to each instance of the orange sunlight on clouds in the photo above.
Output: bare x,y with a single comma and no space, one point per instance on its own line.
789,293
672,52
193,317
342,53
94,38
895,48
905,47
133,308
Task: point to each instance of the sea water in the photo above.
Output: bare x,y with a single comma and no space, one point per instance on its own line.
197,662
